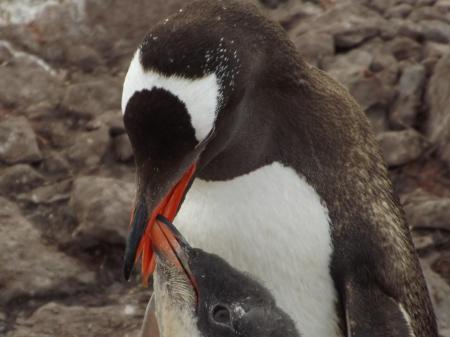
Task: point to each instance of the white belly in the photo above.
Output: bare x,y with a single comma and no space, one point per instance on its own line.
272,224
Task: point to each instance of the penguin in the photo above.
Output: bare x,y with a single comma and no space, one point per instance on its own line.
270,164
200,294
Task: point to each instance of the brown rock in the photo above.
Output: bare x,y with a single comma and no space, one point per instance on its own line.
436,50
427,13
433,213
438,99
399,11
123,151
102,207
378,118
17,141
401,147
89,148
89,99
28,267
272,3
30,81
408,101
5,52
349,24
370,91
84,57
48,194
19,178
435,30
314,46
404,48
443,5
407,28
440,294
55,163
55,319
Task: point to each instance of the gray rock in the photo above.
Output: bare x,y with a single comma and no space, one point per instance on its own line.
102,207
369,91
28,267
314,46
55,163
349,24
55,319
404,48
345,67
18,142
443,5
436,50
48,194
19,178
438,100
272,3
422,243
353,71
435,30
5,53
433,213
378,118
408,101
421,3
88,148
30,81
89,99
399,11
440,294
123,151
360,24
407,28
378,5
84,57
401,147
427,13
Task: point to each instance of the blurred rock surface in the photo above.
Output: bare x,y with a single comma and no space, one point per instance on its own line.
17,141
102,207
29,267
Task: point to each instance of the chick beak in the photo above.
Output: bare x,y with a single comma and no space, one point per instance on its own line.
171,247
140,239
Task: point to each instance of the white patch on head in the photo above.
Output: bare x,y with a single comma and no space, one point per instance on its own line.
200,96
238,310
408,320
272,224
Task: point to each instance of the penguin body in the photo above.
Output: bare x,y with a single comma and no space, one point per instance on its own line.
289,184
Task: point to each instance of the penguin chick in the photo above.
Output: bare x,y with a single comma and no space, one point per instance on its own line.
199,294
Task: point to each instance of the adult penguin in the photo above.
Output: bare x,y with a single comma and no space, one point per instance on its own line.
272,165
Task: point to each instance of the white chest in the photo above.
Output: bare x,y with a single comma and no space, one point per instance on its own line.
272,224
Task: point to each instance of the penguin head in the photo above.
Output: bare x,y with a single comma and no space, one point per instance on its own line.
200,294
177,103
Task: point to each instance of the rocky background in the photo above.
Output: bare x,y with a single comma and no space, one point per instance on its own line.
66,167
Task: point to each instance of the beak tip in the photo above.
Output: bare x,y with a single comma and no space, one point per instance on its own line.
127,267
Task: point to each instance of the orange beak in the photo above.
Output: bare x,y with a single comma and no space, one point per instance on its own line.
152,234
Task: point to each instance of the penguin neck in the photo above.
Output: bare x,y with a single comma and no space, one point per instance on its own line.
253,141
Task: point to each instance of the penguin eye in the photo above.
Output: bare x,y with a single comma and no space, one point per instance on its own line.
221,315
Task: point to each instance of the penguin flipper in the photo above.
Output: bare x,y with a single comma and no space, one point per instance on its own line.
370,312
150,325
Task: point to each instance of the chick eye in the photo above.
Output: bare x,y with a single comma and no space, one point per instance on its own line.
221,315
